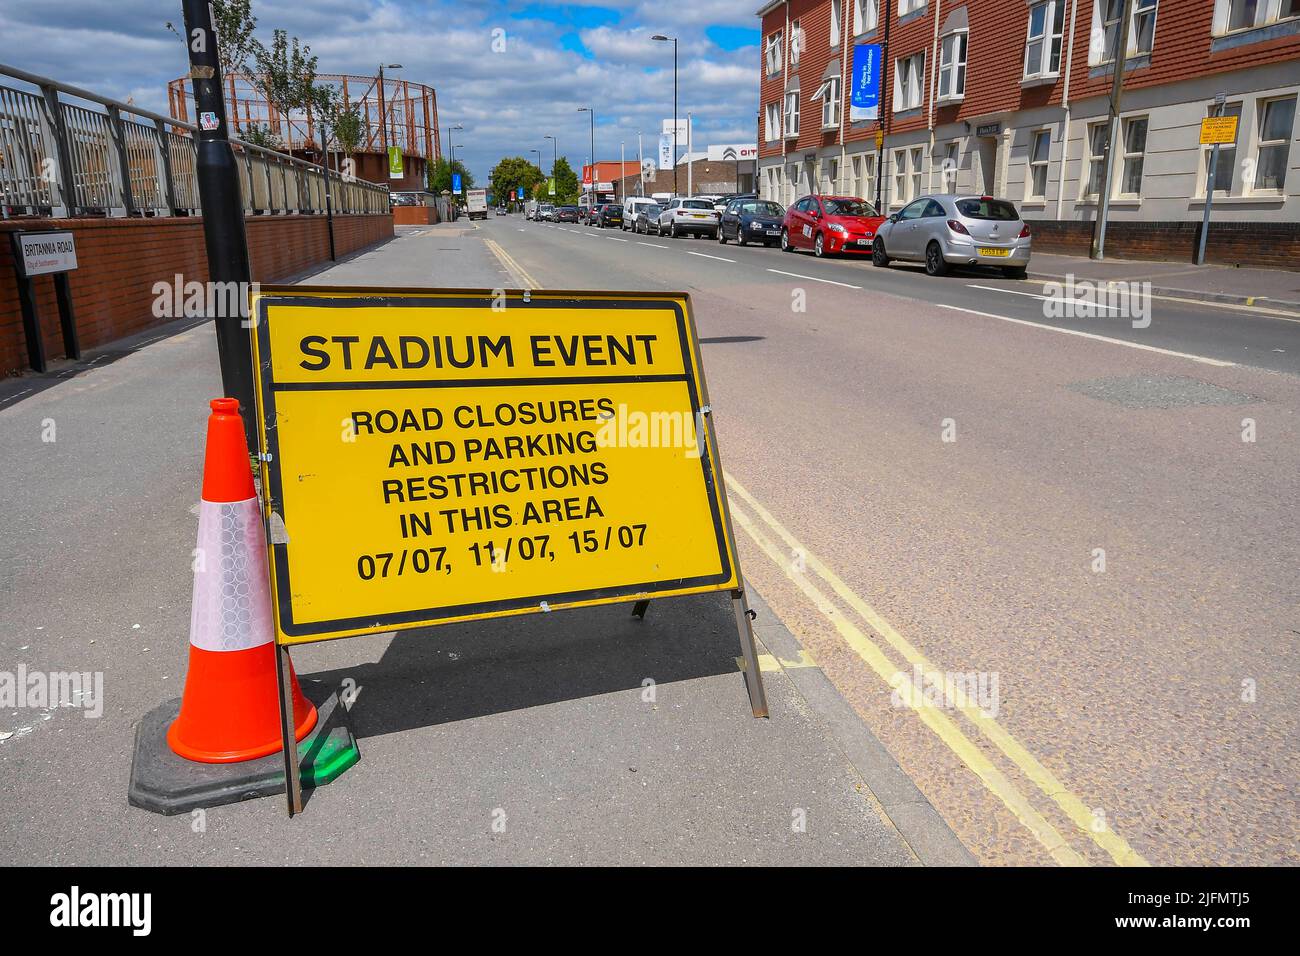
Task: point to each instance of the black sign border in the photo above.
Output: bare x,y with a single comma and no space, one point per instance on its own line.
362,297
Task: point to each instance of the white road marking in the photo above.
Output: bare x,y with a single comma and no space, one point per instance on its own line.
705,255
1089,335
1045,298
617,239
652,245
796,275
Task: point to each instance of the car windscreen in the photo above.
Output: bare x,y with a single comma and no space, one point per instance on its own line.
696,204
770,210
848,207
997,210
617,209
652,210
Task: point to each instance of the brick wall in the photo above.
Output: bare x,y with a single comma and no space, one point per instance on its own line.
1229,243
119,260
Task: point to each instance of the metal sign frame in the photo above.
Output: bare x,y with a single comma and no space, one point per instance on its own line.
729,578
27,300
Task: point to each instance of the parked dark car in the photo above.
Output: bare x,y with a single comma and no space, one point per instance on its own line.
587,215
750,219
566,213
611,214
647,218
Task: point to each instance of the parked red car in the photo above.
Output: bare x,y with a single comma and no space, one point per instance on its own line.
830,224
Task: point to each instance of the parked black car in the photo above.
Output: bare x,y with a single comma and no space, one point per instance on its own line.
566,213
750,219
611,214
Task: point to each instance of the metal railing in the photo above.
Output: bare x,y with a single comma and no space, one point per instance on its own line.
65,159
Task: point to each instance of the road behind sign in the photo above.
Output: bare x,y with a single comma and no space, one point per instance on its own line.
451,455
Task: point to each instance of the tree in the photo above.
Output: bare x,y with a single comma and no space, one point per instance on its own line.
440,176
510,174
566,183
235,23
286,74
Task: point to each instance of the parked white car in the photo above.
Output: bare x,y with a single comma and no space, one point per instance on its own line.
689,217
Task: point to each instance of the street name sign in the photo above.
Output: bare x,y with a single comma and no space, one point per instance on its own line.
45,253
454,455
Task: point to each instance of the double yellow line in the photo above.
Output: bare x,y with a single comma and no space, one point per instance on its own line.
944,727
521,275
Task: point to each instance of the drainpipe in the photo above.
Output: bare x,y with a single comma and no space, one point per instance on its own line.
845,40
785,91
1065,104
934,91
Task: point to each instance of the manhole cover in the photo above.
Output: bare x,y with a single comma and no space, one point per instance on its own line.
1159,391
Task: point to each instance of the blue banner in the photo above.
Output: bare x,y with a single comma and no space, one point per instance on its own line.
864,101
455,182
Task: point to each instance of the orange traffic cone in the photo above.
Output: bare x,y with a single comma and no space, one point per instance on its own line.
230,710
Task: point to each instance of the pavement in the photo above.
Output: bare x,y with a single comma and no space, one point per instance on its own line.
579,737
1274,289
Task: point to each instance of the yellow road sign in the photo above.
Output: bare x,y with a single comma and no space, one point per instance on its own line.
436,456
1218,130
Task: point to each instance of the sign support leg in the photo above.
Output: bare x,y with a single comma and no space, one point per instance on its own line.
292,778
753,677
639,609
31,325
67,318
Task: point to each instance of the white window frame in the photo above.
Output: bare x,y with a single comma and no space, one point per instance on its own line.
790,115
869,176
829,94
837,21
1127,156
1227,153
772,126
1093,160
950,166
1101,48
907,6
1261,143
1267,12
866,16
951,68
909,78
1034,166
901,179
773,54
918,162
1048,39
796,43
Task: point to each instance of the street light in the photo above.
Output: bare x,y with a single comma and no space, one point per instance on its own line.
592,111
555,148
660,36
539,159
383,124
449,146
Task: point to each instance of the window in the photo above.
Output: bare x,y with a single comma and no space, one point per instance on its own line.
1043,43
869,176
915,211
952,67
1105,29
796,43
909,78
1227,164
907,6
1230,15
1098,137
1277,119
1135,147
916,171
772,127
900,176
865,13
949,165
829,94
774,54
792,114
837,17
1039,151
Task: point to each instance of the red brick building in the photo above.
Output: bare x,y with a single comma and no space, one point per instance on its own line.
1010,97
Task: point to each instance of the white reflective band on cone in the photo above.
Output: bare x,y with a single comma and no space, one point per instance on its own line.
231,610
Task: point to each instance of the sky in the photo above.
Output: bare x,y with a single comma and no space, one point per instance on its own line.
556,57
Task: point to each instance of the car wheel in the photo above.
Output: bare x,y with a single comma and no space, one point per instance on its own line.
1013,272
672,230
722,236
935,264
878,257
819,246
785,241
740,236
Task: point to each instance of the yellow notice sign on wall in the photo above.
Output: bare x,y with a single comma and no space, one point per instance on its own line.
458,455
1218,130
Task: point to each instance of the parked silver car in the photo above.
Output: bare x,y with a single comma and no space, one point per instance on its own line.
948,230
689,217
